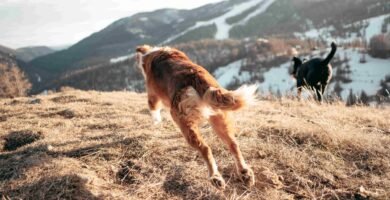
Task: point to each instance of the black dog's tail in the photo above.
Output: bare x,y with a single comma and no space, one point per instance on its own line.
331,54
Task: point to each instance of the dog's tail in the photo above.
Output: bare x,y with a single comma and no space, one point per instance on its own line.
219,98
331,54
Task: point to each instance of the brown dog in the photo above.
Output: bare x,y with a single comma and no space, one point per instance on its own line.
192,94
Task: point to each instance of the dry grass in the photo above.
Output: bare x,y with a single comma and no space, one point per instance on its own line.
102,146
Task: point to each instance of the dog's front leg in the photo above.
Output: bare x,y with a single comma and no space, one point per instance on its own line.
155,108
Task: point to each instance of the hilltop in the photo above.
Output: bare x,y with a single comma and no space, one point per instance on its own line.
102,145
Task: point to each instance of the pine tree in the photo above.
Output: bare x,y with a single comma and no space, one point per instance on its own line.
338,89
351,99
364,98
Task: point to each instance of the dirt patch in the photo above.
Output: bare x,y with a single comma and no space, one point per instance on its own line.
34,101
67,114
13,102
69,99
18,139
109,126
144,111
131,172
3,118
267,178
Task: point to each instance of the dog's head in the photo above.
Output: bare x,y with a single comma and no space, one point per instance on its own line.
143,49
297,62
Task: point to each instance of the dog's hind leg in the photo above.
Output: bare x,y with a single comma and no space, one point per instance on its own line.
190,130
222,125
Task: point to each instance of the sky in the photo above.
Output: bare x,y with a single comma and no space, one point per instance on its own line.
57,23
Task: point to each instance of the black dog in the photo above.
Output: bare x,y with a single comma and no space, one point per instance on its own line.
314,74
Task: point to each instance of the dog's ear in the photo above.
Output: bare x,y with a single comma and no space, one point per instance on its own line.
297,61
143,49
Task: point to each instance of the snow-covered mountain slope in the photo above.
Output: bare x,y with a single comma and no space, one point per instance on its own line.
363,76
278,79
366,28
226,74
238,20
223,27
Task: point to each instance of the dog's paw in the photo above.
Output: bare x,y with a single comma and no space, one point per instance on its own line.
156,116
247,176
218,182
156,121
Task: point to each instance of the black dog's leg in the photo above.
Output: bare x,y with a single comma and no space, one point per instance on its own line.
323,87
319,93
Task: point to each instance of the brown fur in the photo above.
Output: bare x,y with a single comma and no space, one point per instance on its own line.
189,91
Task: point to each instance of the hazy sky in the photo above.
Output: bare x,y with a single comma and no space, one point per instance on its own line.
61,22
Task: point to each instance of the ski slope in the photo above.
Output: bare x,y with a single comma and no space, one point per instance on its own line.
220,21
222,27
374,27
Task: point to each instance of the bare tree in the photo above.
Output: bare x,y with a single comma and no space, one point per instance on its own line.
13,82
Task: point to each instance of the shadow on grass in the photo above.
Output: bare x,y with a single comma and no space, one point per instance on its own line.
13,164
55,187
177,185
18,139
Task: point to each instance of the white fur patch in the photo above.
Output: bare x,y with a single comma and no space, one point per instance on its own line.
192,104
248,93
154,49
156,116
214,168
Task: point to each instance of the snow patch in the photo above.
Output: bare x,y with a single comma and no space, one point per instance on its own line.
122,58
222,27
264,6
365,76
278,78
144,19
374,27
226,74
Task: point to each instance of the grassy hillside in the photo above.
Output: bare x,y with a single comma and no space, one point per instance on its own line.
95,145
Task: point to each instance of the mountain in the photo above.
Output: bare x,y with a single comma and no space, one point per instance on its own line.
6,50
122,36
29,53
224,35
228,19
35,75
